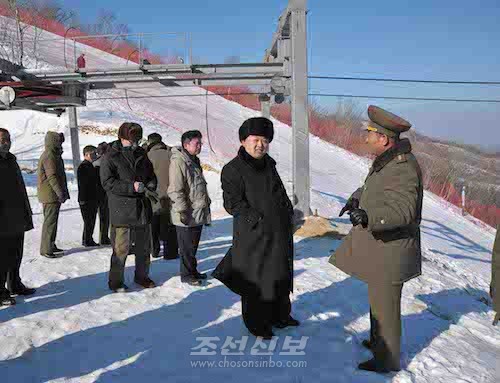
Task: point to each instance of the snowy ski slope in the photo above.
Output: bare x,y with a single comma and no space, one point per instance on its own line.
74,330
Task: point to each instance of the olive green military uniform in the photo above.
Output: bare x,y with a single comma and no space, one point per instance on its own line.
386,253
52,189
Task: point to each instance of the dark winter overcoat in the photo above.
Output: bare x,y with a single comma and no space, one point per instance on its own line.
260,261
388,250
87,182
120,168
101,193
15,209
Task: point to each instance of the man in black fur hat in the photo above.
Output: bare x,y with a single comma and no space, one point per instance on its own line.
259,265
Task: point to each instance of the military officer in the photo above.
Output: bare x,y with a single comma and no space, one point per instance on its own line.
383,248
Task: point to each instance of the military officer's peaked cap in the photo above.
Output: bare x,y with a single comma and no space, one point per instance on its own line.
385,122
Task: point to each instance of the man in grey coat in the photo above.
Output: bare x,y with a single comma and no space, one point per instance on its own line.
383,248
190,208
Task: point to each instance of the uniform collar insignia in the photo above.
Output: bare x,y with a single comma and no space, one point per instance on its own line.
402,147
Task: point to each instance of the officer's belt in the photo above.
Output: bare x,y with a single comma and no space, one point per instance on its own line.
404,232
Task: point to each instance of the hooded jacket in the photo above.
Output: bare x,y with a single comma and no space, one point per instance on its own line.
52,184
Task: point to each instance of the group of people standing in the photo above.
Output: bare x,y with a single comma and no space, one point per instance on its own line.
154,194
159,193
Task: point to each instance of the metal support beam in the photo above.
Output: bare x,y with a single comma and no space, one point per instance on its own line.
75,141
164,69
289,47
300,118
265,105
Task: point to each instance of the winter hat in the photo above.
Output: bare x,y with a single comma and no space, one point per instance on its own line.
130,131
102,148
257,126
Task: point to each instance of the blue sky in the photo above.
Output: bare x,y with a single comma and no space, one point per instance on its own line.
425,39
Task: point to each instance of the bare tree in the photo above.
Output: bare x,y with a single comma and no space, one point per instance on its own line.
18,39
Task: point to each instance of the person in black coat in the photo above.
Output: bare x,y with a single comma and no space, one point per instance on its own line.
87,194
128,177
259,265
102,198
15,220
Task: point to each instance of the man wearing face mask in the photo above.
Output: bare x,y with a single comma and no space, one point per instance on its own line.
190,208
52,191
128,177
15,220
259,265
87,194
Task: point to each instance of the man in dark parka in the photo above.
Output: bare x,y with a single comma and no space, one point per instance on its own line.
383,248
15,220
128,177
495,277
259,265
87,194
102,198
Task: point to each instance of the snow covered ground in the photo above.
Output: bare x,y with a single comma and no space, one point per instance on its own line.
75,330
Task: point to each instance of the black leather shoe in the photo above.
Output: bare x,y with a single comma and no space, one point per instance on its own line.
55,249
146,283
201,276
22,290
192,281
52,255
7,300
290,322
266,334
105,242
90,244
119,289
367,344
156,255
372,366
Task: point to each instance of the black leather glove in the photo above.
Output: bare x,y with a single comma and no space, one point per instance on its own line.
352,203
359,217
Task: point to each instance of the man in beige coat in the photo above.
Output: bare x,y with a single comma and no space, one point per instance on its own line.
162,229
190,209
52,191
383,248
